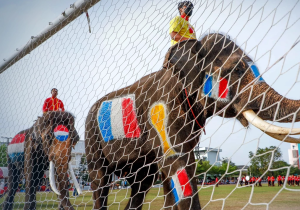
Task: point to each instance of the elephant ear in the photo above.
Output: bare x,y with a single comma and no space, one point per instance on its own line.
35,136
184,59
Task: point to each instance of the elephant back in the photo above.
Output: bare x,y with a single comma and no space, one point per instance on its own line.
15,149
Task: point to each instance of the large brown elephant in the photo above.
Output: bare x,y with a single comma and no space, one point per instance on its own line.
155,123
47,144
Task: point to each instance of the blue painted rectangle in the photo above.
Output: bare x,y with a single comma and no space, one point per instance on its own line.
256,72
104,119
207,85
174,191
16,157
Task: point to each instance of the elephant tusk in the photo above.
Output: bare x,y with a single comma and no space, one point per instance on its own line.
52,178
267,127
284,138
74,179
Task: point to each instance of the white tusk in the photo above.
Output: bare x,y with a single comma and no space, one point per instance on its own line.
267,127
284,138
52,178
74,179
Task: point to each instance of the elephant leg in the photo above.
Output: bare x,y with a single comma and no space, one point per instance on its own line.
14,177
65,204
33,176
179,182
100,186
141,183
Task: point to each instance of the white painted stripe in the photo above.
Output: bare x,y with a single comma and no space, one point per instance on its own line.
15,148
177,186
61,133
117,118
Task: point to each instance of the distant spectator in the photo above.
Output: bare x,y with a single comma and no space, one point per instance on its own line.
216,181
273,180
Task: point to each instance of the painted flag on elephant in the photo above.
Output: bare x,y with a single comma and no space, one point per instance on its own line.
117,119
180,185
15,149
255,71
61,132
215,88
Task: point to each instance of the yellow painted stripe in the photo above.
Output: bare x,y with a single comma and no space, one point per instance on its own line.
158,119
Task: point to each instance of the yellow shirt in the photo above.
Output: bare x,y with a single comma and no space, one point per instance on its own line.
182,27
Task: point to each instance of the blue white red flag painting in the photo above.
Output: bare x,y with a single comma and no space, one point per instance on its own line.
15,149
180,185
215,88
255,71
117,119
61,133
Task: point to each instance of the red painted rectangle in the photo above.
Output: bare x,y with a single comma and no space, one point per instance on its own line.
19,138
184,182
130,123
223,89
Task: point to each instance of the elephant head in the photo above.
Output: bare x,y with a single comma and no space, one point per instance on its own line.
49,140
226,82
57,134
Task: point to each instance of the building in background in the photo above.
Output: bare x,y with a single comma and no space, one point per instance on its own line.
294,154
77,154
211,155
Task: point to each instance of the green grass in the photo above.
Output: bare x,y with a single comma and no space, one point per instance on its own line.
235,198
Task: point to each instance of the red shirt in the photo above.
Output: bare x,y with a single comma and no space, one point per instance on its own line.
272,178
53,104
253,179
269,178
279,178
217,179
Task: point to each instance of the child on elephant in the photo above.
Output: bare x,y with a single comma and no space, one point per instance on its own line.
180,28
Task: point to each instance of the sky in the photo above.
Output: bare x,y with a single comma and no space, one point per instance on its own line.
129,40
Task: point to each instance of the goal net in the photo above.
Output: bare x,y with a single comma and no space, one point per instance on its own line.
210,122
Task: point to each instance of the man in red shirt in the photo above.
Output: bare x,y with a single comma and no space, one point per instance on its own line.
279,180
283,178
269,181
259,181
53,103
253,180
216,181
292,180
273,180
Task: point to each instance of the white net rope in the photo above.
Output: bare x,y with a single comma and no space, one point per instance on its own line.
157,127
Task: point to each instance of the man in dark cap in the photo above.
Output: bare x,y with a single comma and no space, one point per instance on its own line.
53,103
180,28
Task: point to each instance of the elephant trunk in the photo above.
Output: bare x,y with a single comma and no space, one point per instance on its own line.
274,107
278,108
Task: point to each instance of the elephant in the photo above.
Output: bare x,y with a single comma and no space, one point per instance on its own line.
47,143
153,125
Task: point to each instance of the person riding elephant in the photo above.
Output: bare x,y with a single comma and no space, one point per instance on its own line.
47,144
153,125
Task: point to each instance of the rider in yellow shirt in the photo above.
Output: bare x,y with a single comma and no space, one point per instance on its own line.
180,28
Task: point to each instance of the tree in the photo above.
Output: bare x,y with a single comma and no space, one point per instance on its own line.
224,166
202,167
262,159
3,157
294,171
83,168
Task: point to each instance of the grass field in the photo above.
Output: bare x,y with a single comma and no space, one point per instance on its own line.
235,199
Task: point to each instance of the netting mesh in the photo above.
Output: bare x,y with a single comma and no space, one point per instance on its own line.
155,126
